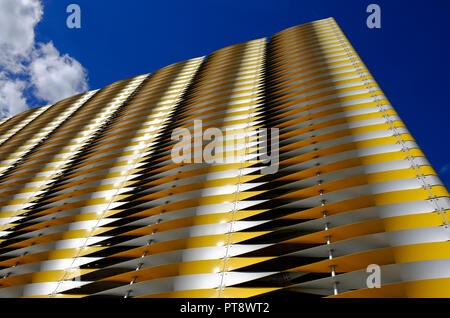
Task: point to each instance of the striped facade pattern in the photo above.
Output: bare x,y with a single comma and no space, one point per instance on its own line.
92,204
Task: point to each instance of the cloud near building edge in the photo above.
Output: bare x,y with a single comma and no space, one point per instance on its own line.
31,70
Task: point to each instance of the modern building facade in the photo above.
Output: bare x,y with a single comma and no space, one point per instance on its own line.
92,203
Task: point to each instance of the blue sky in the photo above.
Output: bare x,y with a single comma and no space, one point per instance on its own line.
408,56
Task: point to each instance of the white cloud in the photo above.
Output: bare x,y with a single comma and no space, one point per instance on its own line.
54,76
30,68
17,21
12,100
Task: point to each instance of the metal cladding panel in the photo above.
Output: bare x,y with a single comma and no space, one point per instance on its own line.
94,204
